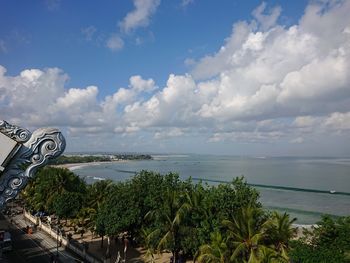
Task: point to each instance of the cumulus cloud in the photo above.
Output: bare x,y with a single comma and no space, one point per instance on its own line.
267,83
125,96
169,133
140,85
39,98
266,20
339,122
281,71
115,43
263,71
140,16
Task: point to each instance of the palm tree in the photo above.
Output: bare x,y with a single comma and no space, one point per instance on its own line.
150,250
48,184
195,201
246,235
216,252
170,217
98,193
279,230
85,219
269,255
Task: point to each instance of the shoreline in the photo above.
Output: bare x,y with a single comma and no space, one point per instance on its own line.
75,166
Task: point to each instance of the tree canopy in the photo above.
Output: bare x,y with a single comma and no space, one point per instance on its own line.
212,223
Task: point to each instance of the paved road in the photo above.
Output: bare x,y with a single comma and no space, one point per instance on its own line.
25,249
37,247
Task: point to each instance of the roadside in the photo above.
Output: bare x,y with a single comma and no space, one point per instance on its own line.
46,245
34,247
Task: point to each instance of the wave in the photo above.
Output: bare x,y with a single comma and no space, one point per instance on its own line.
278,187
73,168
96,178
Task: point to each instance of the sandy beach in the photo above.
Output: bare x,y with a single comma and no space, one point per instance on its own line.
75,166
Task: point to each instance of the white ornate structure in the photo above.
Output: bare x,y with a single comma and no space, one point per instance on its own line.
22,153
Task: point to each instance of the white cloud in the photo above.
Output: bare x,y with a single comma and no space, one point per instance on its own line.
266,20
115,43
140,85
280,72
78,98
209,66
304,121
249,137
140,16
185,3
137,87
168,133
89,32
318,79
336,123
167,107
339,122
267,83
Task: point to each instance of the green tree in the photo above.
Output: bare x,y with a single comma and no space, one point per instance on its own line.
246,235
49,183
147,188
148,245
118,213
279,231
67,204
216,252
226,199
86,219
197,221
169,218
97,193
328,241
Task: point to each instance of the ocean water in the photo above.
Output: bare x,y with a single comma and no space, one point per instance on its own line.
327,174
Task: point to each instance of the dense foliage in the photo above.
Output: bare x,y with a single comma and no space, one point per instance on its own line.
328,242
217,223
48,185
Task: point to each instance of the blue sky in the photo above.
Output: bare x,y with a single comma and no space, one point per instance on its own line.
223,77
40,36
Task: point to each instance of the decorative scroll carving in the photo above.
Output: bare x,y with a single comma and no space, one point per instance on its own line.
16,133
41,146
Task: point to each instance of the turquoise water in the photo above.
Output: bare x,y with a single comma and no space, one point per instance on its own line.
328,174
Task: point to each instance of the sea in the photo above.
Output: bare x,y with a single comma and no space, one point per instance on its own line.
306,188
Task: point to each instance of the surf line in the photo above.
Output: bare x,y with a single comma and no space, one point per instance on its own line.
278,187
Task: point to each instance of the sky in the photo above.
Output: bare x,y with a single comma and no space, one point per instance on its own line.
230,77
